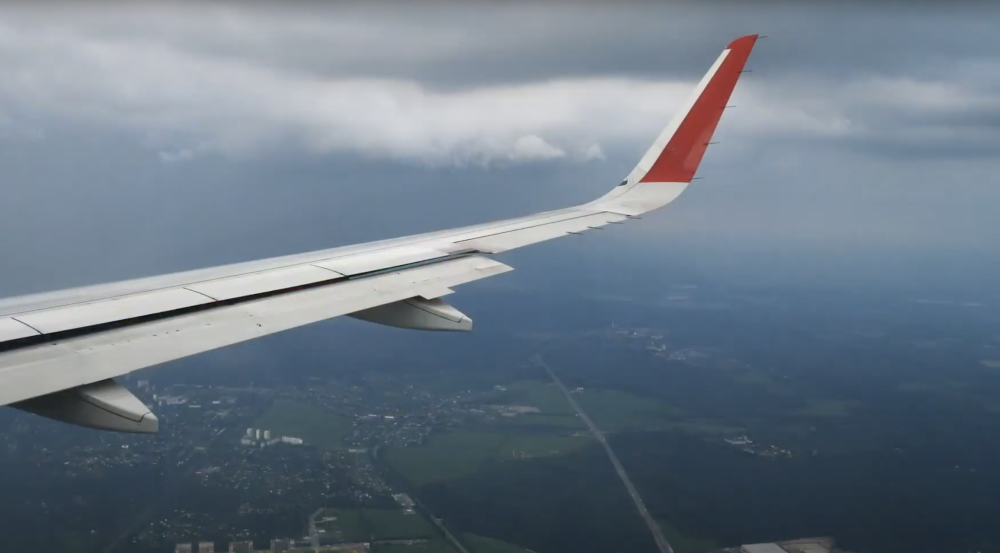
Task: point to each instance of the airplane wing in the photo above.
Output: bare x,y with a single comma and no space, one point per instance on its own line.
60,351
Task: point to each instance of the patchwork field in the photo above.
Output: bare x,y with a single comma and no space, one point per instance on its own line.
683,543
431,546
459,453
389,524
342,525
312,424
612,410
482,544
358,525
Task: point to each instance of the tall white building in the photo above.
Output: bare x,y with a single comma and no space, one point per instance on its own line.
267,434
257,433
249,432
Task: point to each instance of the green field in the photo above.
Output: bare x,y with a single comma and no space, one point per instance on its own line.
824,408
356,525
459,453
766,381
685,544
526,446
450,455
432,546
388,524
538,419
349,525
612,410
482,544
543,395
706,428
312,424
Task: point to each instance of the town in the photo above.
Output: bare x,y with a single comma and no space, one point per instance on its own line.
277,453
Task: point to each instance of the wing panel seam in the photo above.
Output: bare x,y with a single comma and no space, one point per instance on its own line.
532,227
40,333
201,293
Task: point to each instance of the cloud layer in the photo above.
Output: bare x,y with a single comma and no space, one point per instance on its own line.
190,80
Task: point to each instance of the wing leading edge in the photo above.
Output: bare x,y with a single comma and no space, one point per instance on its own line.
81,338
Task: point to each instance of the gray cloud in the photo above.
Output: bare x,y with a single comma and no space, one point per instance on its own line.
447,82
448,43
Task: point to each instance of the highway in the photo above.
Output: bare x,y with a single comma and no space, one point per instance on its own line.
654,528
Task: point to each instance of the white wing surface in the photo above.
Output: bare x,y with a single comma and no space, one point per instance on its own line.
59,351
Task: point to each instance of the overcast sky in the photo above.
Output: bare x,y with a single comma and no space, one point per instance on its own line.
136,139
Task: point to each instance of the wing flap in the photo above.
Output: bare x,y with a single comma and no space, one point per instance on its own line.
76,361
263,282
379,259
73,317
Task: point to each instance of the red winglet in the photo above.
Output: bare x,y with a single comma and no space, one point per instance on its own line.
682,154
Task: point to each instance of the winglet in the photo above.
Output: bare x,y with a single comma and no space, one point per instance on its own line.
676,154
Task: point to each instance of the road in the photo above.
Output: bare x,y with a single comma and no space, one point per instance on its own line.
397,482
313,534
654,528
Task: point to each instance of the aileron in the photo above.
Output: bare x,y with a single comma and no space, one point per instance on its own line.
264,281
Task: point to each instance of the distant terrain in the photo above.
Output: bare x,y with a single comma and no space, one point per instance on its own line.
764,416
